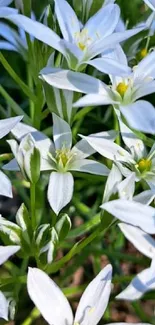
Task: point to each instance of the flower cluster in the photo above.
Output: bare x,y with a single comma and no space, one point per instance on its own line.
77,61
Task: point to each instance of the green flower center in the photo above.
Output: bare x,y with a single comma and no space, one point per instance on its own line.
144,165
122,88
63,156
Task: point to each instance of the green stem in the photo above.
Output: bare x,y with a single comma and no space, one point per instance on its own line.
33,208
116,128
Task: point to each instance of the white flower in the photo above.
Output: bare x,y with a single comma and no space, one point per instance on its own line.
6,126
81,45
136,162
62,160
124,93
54,306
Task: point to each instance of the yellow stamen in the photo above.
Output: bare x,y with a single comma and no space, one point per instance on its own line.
142,54
81,46
121,88
144,165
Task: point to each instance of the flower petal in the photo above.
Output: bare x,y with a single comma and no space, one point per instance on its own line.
5,3
83,149
143,282
6,12
126,188
135,145
102,44
94,100
110,66
104,22
70,80
48,298
22,129
8,124
6,252
67,19
94,300
113,180
108,149
144,90
89,166
142,241
38,30
4,307
5,185
133,213
62,133
140,116
60,190
145,197
12,165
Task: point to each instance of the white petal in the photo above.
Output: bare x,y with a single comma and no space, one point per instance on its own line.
133,213
112,40
6,12
145,197
5,185
113,180
48,298
4,3
132,142
6,252
70,80
83,150
4,307
140,116
38,30
60,190
127,187
94,100
104,22
145,69
22,129
67,20
110,66
143,282
108,149
62,133
8,124
89,166
94,300
12,165
142,241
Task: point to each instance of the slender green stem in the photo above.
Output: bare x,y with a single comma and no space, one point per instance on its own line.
33,208
116,128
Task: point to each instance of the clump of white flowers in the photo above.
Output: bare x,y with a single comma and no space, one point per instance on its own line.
76,57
